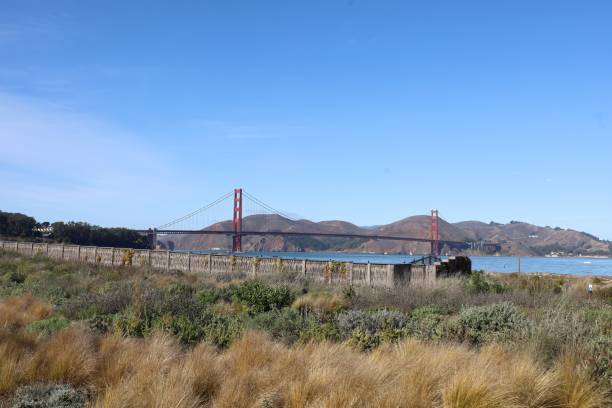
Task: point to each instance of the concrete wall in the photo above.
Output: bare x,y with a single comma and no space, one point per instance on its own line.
423,274
333,273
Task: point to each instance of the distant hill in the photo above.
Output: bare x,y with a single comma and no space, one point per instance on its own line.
516,238
520,238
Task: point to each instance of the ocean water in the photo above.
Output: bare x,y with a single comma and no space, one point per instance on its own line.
572,266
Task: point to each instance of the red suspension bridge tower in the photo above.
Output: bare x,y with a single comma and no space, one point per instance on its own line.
237,238
435,233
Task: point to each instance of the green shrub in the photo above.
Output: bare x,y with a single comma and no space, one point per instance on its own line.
315,331
208,296
371,322
364,340
186,330
175,299
366,330
478,283
285,324
48,326
259,297
222,330
426,322
500,321
132,322
101,323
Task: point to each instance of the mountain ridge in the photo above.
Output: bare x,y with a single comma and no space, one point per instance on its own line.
515,238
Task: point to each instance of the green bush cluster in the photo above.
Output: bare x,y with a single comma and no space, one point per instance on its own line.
428,322
259,297
366,330
500,321
478,283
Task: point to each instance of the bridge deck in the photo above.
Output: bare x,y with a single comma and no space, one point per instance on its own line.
291,233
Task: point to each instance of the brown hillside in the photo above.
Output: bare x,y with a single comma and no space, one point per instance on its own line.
516,238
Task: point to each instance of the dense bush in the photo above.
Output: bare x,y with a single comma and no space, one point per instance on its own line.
222,330
315,331
478,283
427,322
259,297
367,330
187,330
211,295
370,322
285,324
499,321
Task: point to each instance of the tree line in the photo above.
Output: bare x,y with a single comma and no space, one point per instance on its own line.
21,226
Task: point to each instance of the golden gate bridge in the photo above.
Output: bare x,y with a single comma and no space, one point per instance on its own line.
241,197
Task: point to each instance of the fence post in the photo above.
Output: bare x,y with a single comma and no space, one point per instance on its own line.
304,267
112,256
369,274
2,244
79,253
168,260
189,261
390,282
254,266
63,246
47,248
95,253
32,248
350,273
210,264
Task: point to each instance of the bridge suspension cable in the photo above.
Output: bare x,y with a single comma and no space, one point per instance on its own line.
266,206
196,212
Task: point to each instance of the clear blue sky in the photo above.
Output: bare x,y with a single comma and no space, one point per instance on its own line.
134,113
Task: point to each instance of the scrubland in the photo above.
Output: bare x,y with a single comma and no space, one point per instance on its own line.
76,335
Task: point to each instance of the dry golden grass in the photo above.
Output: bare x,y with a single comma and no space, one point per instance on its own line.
156,378
322,302
257,371
15,349
67,356
16,312
577,390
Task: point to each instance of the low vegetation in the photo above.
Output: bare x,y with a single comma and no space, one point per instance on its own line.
90,335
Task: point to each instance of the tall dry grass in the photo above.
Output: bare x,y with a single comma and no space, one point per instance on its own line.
257,371
19,311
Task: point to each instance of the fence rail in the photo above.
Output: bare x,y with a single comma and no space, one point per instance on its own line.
330,272
326,272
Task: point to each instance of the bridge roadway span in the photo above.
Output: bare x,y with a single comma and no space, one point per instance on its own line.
311,234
